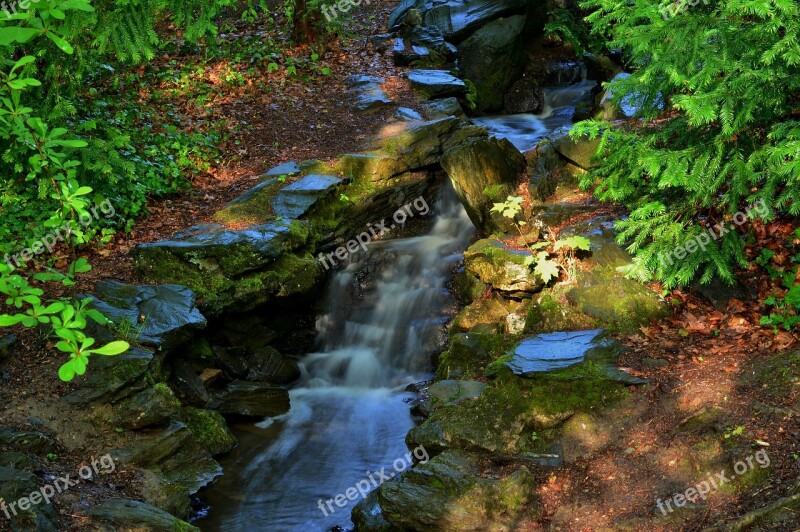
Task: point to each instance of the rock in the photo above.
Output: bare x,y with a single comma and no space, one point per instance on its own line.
482,315
155,405
449,492
720,293
234,268
501,267
251,399
113,378
436,83
268,365
452,392
33,442
466,287
559,350
455,19
422,46
175,465
188,385
381,41
524,96
285,169
599,67
578,151
7,344
367,94
15,460
621,303
492,58
296,199
209,429
160,316
407,115
367,516
469,353
16,485
444,108
135,515
405,54
479,166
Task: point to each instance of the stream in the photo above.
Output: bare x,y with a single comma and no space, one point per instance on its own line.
384,315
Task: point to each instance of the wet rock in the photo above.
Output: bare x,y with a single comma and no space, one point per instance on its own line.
188,385
484,171
449,492
7,344
524,96
455,19
368,516
285,169
404,53
233,361
155,405
436,83
452,392
444,108
161,316
135,515
422,46
16,485
367,94
113,378
502,267
469,353
209,429
251,399
175,465
25,441
466,287
268,365
492,58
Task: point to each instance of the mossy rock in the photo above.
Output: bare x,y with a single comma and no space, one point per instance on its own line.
135,515
253,207
547,313
467,287
14,485
503,268
451,492
482,315
154,405
502,418
209,429
470,353
619,304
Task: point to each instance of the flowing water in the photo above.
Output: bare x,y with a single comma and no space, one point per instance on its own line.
384,317
526,130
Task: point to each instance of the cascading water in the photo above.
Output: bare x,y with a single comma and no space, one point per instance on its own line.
525,131
349,413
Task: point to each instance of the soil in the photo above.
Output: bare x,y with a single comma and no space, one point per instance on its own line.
704,358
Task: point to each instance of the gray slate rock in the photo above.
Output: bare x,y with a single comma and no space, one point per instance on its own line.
436,83
113,378
251,399
296,199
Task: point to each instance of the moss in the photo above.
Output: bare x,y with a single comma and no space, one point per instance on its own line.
470,353
255,207
779,375
548,314
620,304
209,429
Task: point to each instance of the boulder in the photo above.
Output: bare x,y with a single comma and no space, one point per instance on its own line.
234,268
125,514
484,171
524,96
469,354
455,19
620,303
113,378
159,316
27,441
492,58
16,485
209,429
453,492
407,115
251,399
577,151
367,516
155,405
502,267
175,467
444,108
268,365
366,93
436,83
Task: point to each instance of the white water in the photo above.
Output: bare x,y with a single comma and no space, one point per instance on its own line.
526,130
349,414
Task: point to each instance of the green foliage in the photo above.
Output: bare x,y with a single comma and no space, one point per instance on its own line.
717,89
562,25
785,306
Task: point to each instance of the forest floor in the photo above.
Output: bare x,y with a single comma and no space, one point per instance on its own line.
702,361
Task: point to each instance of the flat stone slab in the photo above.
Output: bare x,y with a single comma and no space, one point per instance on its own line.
287,168
158,313
436,83
554,351
296,199
367,94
